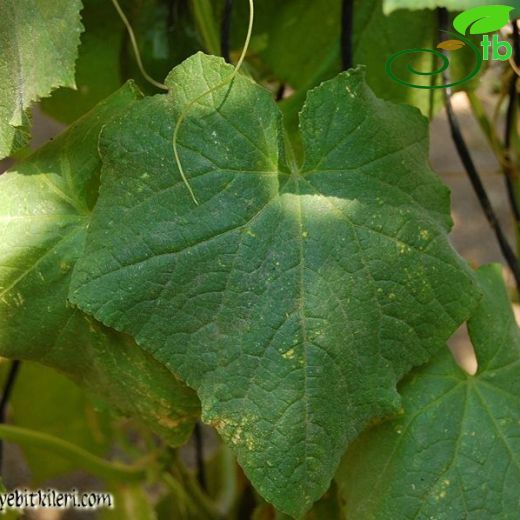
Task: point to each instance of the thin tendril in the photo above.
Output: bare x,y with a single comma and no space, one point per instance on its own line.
145,74
224,82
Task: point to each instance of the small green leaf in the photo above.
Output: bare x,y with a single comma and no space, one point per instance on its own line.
292,298
45,205
481,20
453,453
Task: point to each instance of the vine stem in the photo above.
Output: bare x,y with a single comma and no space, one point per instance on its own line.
347,25
473,174
84,459
225,31
135,48
14,370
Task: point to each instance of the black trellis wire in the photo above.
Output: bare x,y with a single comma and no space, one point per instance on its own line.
347,23
225,31
472,172
6,395
509,170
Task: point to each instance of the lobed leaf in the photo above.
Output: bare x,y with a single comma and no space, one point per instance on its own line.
45,206
293,298
453,453
73,419
303,53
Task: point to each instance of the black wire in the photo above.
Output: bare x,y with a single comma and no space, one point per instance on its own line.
280,92
510,120
199,454
225,31
6,395
473,174
347,52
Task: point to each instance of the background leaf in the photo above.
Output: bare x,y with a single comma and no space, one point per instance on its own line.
165,36
39,41
303,53
45,206
453,452
98,68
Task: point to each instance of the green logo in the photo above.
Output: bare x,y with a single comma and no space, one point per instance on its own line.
479,20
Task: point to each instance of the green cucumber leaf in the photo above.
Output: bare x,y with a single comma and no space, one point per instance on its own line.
45,205
453,453
38,48
98,68
292,298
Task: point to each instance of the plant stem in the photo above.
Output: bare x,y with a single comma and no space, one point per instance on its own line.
225,31
85,460
347,24
6,395
205,21
135,47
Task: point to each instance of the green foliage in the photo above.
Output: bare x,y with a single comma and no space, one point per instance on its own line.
298,51
296,58
73,420
106,59
98,69
453,453
45,205
277,285
301,308
38,41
